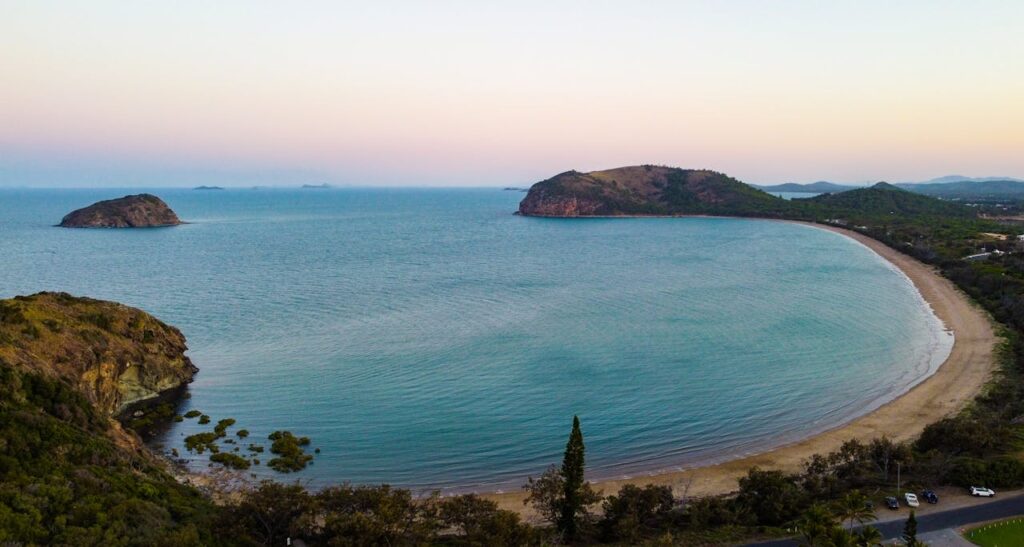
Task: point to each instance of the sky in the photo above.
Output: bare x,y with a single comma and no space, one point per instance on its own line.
480,93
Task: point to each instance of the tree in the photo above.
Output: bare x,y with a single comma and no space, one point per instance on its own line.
868,536
544,494
562,496
374,515
816,525
267,515
576,492
772,496
910,531
841,538
634,511
854,508
480,522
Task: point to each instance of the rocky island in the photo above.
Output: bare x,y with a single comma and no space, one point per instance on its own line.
646,190
136,211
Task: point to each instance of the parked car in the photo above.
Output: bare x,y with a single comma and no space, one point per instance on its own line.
981,491
892,503
911,499
929,496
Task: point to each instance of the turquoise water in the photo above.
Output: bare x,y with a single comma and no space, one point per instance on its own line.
429,338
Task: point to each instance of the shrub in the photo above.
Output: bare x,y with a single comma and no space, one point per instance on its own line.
228,459
288,447
772,496
200,442
635,512
1000,472
223,425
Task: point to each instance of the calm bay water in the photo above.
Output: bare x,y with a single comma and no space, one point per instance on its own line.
429,338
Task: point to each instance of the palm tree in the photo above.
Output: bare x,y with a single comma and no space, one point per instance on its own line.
854,508
816,525
841,538
868,536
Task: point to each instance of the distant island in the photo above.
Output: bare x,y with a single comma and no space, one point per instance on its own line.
820,187
135,211
515,189
208,188
316,186
949,187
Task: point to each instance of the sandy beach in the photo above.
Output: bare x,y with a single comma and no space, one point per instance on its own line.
960,377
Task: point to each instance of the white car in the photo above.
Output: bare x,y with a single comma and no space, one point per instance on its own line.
982,491
911,499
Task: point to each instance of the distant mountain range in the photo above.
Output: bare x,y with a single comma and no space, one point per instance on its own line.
961,178
969,189
952,186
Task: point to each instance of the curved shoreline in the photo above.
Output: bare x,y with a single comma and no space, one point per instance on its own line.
951,387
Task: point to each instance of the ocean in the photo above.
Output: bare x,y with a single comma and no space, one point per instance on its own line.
429,338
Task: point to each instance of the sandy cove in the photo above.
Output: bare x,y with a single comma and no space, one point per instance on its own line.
957,381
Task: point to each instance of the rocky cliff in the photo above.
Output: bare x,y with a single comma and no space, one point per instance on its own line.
113,354
137,211
647,190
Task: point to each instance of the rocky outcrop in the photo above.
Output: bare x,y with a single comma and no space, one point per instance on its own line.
647,190
113,354
543,202
137,211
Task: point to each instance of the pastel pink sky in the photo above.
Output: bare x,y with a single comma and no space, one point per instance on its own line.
473,94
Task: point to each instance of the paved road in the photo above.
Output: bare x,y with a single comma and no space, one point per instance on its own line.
996,509
944,538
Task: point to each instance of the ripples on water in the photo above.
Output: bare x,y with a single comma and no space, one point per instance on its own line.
428,338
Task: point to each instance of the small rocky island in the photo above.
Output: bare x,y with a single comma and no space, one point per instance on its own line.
136,211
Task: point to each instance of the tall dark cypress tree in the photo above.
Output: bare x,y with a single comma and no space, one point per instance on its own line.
910,531
572,475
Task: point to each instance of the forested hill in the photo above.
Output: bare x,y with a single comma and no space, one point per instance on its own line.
886,199
69,474
969,189
648,190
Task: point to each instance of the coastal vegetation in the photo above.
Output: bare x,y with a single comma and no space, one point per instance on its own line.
291,455
234,461
66,478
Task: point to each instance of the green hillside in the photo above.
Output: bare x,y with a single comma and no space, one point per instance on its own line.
886,199
991,189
